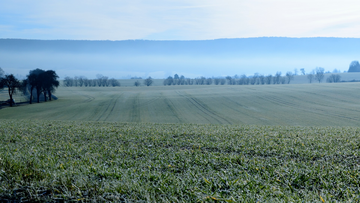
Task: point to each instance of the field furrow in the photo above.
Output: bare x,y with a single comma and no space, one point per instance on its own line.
301,104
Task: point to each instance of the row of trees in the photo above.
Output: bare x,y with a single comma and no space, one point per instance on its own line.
317,74
43,82
101,81
257,79
147,82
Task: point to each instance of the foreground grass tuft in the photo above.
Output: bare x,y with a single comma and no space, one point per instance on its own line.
56,161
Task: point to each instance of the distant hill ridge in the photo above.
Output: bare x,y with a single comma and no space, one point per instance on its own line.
159,59
322,45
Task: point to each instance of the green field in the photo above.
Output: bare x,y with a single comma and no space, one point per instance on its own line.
104,161
271,143
295,105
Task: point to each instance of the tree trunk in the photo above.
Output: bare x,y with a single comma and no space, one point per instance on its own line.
11,99
45,96
38,96
49,93
31,94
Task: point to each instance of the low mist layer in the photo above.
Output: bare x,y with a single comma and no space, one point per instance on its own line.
159,59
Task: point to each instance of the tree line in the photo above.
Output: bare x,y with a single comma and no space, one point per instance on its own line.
100,81
317,74
43,82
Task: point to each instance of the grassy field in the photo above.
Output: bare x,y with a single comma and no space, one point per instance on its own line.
295,105
276,143
139,162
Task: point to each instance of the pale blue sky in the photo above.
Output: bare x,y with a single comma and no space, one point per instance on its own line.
177,19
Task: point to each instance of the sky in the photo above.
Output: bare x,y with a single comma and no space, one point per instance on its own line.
177,19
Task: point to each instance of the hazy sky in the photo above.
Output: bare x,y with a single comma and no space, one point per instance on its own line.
177,19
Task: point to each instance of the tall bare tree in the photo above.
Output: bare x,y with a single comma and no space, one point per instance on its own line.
148,81
209,81
319,74
296,71
302,70
169,81
68,81
333,78
268,79
222,81
289,76
262,79
310,77
137,83
277,78
113,82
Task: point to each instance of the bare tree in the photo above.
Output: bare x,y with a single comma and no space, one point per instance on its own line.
76,81
333,78
104,81
289,77
190,81
296,71
222,81
254,79
282,80
200,81
244,80
229,79
99,79
319,74
81,80
68,81
86,81
182,80
302,70
90,82
277,78
268,79
310,76
113,82
217,81
169,81
262,79
137,83
209,81
148,81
